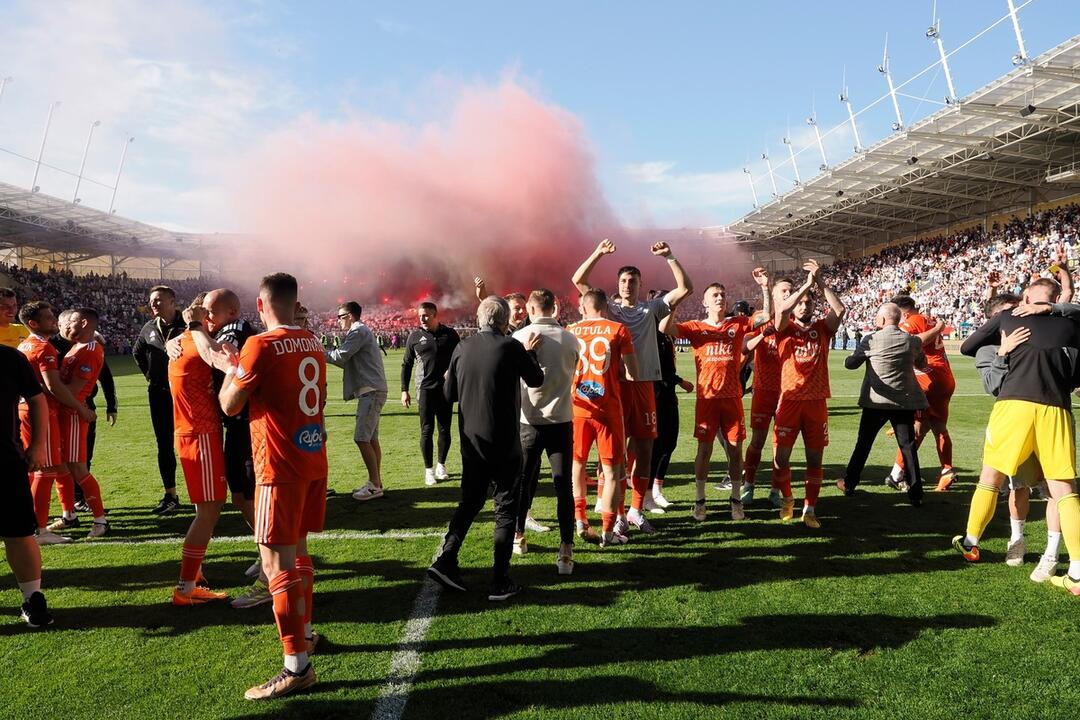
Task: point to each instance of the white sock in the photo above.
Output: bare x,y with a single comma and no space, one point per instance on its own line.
29,588
100,520
658,487
1074,569
308,631
1053,544
1017,530
70,515
807,509
296,663
971,541
186,586
896,472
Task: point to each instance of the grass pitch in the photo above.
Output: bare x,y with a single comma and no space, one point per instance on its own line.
873,616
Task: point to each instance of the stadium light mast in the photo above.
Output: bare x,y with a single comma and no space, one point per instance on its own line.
851,114
772,178
794,165
883,68
753,190
119,170
41,151
82,166
1020,58
812,122
934,34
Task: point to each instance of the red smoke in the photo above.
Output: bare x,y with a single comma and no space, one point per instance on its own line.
376,211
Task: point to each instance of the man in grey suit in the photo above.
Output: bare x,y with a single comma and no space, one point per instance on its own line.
890,393
365,380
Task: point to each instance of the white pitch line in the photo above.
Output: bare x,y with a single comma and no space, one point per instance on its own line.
314,537
405,663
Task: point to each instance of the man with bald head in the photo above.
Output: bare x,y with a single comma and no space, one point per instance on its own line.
890,393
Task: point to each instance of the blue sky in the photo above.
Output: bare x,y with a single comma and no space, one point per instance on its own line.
674,97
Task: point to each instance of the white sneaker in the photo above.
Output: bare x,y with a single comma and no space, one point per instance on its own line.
257,594
638,520
1044,570
565,564
698,513
622,527
429,477
440,472
48,537
1014,553
369,492
532,525
724,484
97,529
737,512
658,497
253,571
521,546
613,538
649,504
596,508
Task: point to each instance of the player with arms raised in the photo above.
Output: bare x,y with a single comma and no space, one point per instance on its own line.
281,373
804,389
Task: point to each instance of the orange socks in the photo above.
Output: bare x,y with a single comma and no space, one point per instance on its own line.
306,568
191,559
92,494
750,464
41,483
782,480
65,492
814,477
640,486
579,510
944,450
287,590
607,520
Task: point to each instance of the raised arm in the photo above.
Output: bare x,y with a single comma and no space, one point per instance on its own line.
683,286
782,315
481,288
761,277
581,275
836,308
668,326
1064,277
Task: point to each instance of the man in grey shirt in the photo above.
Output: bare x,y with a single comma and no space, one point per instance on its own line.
890,393
547,414
642,318
364,380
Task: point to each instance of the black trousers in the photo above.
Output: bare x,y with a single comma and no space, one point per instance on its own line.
239,466
871,422
667,429
161,417
558,442
434,409
480,478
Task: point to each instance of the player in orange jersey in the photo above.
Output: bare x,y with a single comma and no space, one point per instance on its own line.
718,343
79,372
766,388
281,373
804,389
197,426
39,319
605,357
937,383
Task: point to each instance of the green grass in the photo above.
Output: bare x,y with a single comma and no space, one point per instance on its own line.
873,616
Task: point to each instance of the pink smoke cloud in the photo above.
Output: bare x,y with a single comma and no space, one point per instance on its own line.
381,212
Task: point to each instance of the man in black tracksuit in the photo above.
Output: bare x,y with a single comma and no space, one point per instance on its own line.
432,345
150,356
484,379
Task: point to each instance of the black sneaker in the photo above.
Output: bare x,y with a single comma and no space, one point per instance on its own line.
504,590
898,485
448,575
35,611
169,504
81,506
915,494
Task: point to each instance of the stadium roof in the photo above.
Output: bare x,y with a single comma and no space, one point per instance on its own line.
46,223
1014,142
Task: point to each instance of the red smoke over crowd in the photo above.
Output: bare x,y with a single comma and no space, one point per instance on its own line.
505,188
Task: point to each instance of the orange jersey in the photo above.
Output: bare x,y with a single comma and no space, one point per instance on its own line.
916,324
804,361
767,362
284,372
717,354
43,357
82,362
602,344
191,381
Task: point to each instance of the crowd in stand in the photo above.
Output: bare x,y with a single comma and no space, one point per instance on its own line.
946,275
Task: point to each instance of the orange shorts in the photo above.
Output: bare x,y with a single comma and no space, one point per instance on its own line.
284,512
52,436
809,417
609,441
639,408
723,415
763,408
939,386
203,461
73,430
